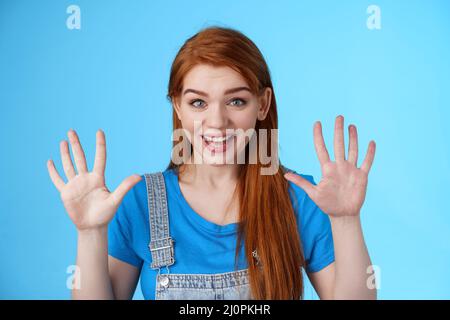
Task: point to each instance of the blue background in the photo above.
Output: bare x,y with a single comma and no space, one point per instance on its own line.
393,83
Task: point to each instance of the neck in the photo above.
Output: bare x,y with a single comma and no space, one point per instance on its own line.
211,176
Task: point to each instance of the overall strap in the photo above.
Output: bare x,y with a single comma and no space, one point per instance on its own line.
161,244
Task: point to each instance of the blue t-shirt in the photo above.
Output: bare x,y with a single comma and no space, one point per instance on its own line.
202,246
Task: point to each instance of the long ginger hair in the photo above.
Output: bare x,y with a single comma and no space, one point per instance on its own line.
266,215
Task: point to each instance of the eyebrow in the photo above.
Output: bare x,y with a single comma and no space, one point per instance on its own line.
232,90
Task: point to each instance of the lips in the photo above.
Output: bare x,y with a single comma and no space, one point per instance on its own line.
216,138
217,143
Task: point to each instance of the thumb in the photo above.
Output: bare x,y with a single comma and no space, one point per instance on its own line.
124,187
298,180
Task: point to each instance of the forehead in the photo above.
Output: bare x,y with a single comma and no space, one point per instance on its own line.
212,79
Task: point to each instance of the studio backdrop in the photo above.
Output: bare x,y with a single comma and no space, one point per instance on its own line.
384,65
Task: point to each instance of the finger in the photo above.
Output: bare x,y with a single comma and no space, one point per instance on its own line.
339,151
353,145
54,175
69,170
307,186
78,153
100,153
370,155
124,187
319,144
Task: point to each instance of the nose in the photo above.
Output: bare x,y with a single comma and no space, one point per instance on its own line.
217,117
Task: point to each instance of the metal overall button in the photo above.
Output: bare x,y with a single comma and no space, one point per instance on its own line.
164,280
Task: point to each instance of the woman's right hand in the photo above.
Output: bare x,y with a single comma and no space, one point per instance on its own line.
88,201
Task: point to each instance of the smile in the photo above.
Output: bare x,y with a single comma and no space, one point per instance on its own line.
217,144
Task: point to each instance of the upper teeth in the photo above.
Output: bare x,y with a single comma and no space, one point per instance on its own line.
216,139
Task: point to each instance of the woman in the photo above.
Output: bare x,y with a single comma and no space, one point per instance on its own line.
219,228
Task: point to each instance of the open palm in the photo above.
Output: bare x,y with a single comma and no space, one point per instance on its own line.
342,190
85,196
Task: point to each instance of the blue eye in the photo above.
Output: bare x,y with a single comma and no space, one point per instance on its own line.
198,103
192,103
238,99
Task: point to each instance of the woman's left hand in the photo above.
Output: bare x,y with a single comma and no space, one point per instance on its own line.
342,190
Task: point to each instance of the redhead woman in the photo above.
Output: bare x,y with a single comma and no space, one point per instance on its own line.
210,226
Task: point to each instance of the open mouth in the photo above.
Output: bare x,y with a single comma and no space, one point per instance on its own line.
217,144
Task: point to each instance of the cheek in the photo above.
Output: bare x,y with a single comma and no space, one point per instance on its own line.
188,122
245,119
187,118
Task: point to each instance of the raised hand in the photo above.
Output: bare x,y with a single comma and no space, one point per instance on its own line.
87,200
342,190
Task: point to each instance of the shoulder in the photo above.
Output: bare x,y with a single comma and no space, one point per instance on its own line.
136,198
133,202
305,208
298,196
138,193
166,174
147,177
314,228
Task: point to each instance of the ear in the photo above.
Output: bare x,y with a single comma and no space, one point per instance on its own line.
264,103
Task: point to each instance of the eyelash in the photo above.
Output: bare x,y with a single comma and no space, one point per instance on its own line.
244,102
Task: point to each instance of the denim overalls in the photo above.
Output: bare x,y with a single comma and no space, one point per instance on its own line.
232,285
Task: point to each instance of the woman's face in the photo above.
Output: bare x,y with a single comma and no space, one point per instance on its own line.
215,102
